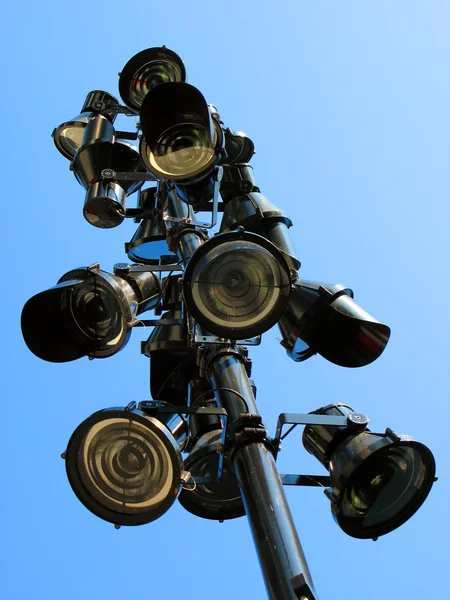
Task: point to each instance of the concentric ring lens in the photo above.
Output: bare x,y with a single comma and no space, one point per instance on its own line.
147,70
125,465
386,490
152,74
238,288
96,313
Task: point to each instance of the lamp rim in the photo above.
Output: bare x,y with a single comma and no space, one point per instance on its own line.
233,236
88,500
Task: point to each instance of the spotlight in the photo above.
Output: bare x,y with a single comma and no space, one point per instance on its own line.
145,71
124,465
173,363
104,204
237,285
239,147
68,137
88,313
327,319
181,141
212,500
378,481
148,243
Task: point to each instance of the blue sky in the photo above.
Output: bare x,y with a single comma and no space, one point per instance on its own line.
347,104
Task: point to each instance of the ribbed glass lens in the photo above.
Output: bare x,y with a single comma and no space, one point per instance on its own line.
183,150
385,486
125,465
151,75
238,285
96,313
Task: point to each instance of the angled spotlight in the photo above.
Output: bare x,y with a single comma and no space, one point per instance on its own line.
181,141
239,147
212,500
325,318
145,71
125,465
68,137
378,481
149,243
237,285
173,363
105,201
88,313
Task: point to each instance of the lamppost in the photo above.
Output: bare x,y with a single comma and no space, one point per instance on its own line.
200,439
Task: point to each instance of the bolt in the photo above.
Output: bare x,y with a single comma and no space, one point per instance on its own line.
116,526
436,478
63,455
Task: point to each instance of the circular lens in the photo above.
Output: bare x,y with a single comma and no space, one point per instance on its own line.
183,151
125,465
96,312
385,490
238,288
152,74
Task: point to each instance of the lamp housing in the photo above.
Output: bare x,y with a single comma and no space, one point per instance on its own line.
68,137
88,313
237,285
145,71
105,200
378,481
125,465
181,141
326,319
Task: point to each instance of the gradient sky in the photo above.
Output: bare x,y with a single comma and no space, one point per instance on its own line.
347,104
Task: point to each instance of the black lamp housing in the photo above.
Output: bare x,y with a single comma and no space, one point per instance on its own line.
68,137
125,464
88,313
147,70
326,319
378,481
181,141
237,285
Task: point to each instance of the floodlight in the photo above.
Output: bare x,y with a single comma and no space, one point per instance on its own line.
218,500
88,313
173,363
145,71
68,137
237,285
149,243
239,147
250,209
181,141
105,200
327,319
125,465
378,481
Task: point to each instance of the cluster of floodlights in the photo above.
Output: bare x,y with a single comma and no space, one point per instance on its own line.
221,292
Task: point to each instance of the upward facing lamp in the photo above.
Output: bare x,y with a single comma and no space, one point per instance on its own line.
88,313
237,285
147,70
181,140
324,318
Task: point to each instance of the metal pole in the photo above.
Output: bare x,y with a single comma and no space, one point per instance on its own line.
281,557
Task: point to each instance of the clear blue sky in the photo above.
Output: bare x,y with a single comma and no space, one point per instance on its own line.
348,106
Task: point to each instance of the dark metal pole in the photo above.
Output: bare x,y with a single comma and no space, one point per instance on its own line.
281,557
